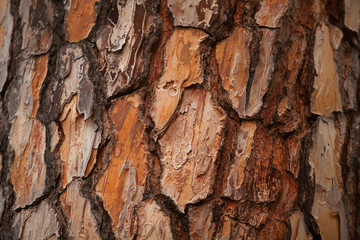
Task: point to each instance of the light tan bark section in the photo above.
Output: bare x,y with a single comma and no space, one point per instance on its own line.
82,224
30,224
75,153
325,98
153,223
190,147
324,159
352,14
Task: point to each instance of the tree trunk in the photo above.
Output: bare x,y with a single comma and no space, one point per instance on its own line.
155,119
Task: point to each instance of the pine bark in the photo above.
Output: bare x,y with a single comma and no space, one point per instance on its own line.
165,119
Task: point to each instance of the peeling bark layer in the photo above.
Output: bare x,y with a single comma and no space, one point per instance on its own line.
191,119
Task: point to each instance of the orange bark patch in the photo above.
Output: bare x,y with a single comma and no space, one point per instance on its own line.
40,74
270,12
91,162
233,57
3,4
182,69
1,35
29,170
121,186
80,19
166,29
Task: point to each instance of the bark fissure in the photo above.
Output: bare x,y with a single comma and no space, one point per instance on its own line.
208,119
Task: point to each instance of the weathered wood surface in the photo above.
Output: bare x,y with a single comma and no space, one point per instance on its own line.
206,119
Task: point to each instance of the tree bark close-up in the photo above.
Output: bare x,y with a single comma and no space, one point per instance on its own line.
180,119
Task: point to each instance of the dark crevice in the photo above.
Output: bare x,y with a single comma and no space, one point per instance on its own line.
15,46
49,106
192,27
103,12
254,49
242,16
97,208
6,152
306,187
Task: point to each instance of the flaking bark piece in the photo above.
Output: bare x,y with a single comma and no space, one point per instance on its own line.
190,148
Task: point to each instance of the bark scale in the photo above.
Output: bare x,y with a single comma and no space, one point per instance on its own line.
216,119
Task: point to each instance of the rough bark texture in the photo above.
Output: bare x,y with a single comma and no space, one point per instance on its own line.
191,119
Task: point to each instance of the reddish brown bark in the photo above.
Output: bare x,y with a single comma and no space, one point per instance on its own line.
208,119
